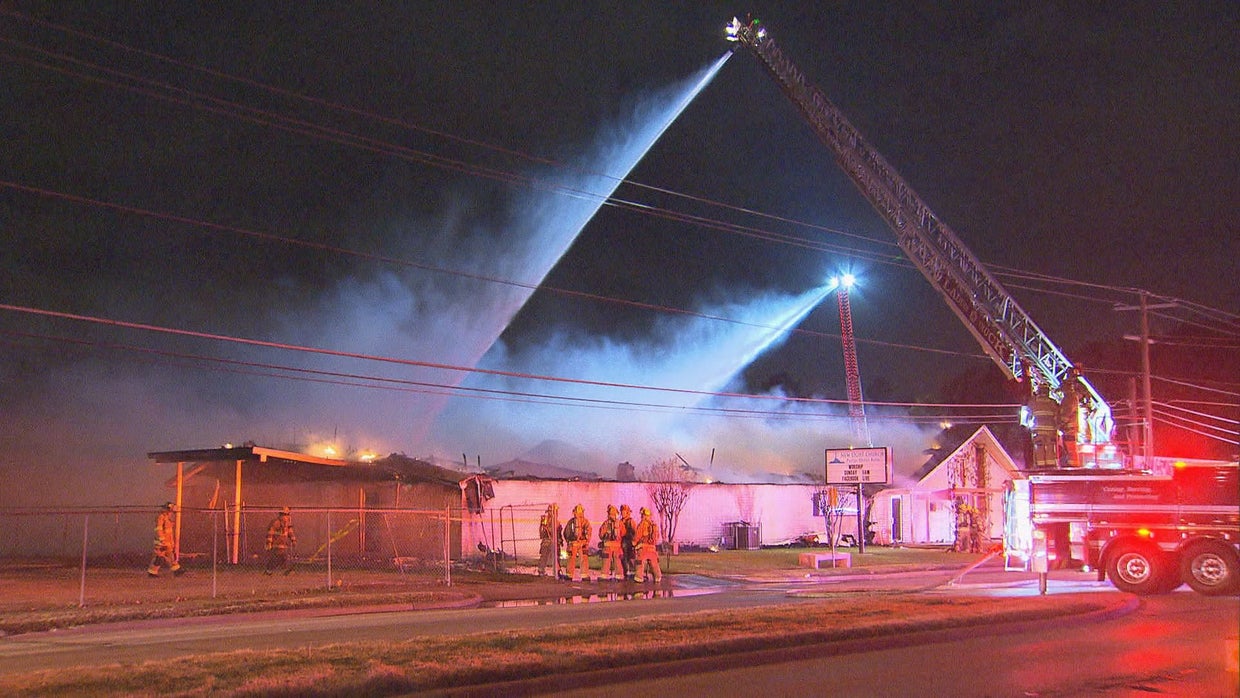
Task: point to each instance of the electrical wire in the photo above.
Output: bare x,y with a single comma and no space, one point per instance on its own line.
544,160
301,127
359,380
108,322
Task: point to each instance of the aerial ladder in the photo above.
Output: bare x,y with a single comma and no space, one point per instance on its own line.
1006,332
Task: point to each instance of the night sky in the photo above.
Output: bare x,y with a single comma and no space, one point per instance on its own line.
402,185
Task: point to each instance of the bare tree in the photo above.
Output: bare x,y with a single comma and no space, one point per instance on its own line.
831,503
668,486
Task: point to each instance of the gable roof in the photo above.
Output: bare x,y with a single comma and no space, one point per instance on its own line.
983,437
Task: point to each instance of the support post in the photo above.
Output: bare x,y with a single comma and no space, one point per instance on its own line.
176,546
82,585
447,544
236,532
860,520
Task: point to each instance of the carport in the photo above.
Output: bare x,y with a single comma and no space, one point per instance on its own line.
271,463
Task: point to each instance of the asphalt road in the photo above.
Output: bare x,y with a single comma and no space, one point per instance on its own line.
1180,644
1179,618
171,638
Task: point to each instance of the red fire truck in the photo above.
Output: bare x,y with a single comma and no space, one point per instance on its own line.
1147,533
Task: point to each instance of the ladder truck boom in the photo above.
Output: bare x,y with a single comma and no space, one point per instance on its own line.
1005,331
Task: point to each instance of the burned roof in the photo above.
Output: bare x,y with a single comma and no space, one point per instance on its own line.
286,465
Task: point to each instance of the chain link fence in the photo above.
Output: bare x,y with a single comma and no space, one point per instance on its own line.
101,555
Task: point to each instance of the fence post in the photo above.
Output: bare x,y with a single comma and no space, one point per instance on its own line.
329,549
85,537
215,550
447,545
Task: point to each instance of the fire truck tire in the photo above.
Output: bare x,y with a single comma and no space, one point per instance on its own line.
1138,568
1211,568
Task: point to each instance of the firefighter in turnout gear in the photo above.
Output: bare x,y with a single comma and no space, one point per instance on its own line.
1070,417
647,548
628,536
966,516
609,540
165,543
1043,412
280,537
577,536
548,550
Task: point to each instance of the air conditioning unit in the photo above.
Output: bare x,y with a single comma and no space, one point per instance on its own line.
741,535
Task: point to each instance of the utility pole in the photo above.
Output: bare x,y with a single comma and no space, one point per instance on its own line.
1147,446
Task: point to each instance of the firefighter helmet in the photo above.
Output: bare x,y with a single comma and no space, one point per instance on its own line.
645,511
285,512
624,509
611,509
579,510
169,506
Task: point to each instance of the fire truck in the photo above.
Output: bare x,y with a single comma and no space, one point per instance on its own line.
1147,532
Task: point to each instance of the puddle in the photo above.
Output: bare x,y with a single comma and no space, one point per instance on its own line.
603,597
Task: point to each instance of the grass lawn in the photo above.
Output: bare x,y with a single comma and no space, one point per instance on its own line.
733,562
46,598
427,663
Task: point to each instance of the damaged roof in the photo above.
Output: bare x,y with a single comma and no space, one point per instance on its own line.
284,465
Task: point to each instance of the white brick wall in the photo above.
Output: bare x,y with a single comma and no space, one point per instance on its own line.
783,512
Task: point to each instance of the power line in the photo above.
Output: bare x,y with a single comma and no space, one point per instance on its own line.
1196,386
508,176
281,371
1195,427
395,261
273,119
454,368
1204,415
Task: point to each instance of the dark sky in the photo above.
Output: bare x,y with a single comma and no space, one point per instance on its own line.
385,180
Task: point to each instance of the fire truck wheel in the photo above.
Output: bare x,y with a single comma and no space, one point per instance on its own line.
1139,568
1211,568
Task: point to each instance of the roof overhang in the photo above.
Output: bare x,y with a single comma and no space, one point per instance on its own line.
243,453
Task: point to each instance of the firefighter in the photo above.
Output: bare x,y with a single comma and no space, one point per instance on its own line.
165,543
1044,409
577,536
547,542
1070,417
979,536
609,540
647,541
965,514
280,538
628,534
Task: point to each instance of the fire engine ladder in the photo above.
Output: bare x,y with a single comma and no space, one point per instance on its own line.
1006,333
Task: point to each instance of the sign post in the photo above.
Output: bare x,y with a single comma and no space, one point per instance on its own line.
859,466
